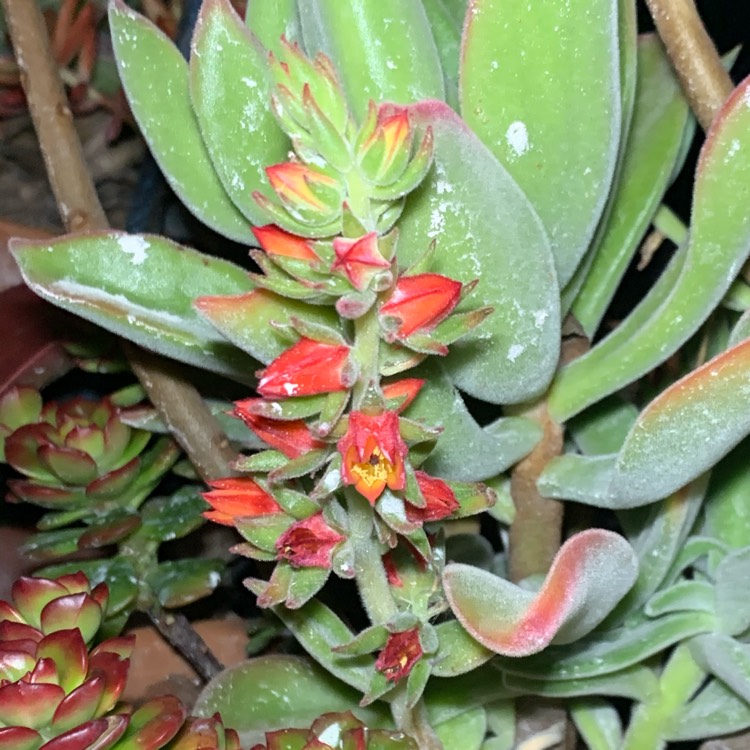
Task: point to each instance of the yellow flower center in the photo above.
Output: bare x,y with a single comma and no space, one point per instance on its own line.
375,470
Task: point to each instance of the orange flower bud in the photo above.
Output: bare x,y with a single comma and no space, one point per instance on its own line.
419,303
276,241
440,500
236,497
305,369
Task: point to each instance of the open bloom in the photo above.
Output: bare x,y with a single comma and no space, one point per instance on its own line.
440,500
292,437
419,303
359,259
400,653
305,369
276,241
373,453
236,497
308,543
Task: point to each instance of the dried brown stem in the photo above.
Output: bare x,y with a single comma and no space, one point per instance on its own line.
694,56
195,427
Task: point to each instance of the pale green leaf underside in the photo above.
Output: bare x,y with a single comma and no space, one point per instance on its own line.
484,228
231,99
540,85
155,78
142,288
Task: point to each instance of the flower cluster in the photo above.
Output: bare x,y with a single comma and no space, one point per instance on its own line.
332,406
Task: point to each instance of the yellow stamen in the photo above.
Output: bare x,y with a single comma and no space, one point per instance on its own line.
375,470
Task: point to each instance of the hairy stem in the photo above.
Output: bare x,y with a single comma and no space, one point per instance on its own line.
81,210
694,56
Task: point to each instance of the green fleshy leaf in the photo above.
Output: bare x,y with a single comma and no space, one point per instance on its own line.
732,607
180,582
725,658
714,712
466,203
52,544
458,652
269,20
592,571
319,630
263,462
140,287
173,517
683,596
637,682
653,147
612,650
514,87
467,730
727,513
383,51
446,30
231,99
598,723
718,246
275,692
161,105
604,426
248,320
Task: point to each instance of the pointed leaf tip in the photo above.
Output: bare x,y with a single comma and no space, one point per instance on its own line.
592,571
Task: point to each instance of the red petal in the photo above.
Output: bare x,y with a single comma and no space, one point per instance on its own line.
276,241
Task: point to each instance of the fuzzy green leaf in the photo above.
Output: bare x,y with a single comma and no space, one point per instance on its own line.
485,228
546,101
231,99
382,50
718,246
160,102
140,287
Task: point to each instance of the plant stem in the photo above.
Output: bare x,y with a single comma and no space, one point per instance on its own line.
177,631
652,720
370,573
414,722
81,210
694,56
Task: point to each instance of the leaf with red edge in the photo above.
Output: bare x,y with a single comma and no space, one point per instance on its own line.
70,655
154,724
20,738
94,735
29,705
31,596
114,670
592,571
72,611
79,706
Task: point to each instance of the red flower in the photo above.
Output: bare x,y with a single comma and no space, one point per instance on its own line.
401,652
308,543
360,259
406,389
298,184
305,369
440,500
373,454
419,303
276,241
236,497
292,437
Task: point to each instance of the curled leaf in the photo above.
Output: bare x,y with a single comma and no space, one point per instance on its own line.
591,573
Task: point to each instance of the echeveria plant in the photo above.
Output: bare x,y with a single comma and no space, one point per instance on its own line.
441,200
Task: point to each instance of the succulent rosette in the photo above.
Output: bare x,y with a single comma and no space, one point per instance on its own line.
79,458
53,691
